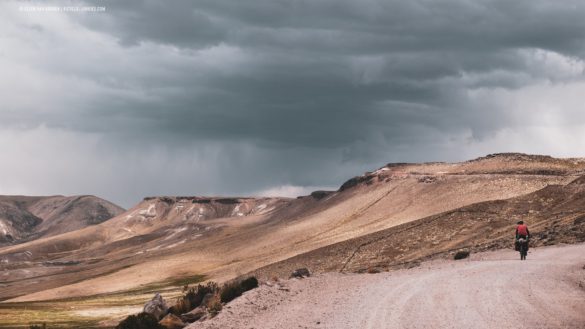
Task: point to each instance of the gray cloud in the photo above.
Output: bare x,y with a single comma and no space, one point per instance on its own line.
239,97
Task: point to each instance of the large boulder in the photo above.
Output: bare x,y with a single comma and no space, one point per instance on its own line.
172,321
195,314
300,273
157,307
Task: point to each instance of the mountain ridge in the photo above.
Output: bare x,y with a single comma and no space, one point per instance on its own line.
26,218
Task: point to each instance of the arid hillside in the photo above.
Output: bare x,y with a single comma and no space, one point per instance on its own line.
555,214
172,237
24,218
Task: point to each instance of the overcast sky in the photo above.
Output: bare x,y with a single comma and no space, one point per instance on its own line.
215,97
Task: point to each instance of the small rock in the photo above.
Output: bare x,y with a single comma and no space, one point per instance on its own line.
300,273
156,306
172,321
461,254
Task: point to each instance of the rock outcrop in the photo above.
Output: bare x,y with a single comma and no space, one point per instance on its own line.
157,306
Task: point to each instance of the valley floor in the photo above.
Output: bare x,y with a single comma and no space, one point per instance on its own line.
489,290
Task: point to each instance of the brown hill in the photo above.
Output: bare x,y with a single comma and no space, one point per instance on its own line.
170,237
24,218
555,214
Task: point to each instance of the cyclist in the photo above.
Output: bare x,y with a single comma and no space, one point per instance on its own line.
522,238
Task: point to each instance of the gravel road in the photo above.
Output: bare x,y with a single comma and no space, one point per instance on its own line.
489,290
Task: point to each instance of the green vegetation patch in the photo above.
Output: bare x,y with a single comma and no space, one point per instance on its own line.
54,318
62,313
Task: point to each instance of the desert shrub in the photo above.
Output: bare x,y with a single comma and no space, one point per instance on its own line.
234,289
193,298
215,306
195,295
230,291
182,305
140,321
249,283
461,254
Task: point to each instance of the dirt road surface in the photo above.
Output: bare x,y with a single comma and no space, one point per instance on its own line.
488,290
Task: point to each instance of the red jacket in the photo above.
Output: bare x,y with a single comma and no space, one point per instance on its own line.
522,230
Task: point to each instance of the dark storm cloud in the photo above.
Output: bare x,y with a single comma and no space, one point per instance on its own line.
362,26
325,72
261,93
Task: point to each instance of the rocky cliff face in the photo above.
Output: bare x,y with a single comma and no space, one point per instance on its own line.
15,222
188,215
202,208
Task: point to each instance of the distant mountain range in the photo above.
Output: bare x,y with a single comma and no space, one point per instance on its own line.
24,218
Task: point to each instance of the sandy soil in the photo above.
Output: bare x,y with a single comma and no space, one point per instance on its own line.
489,290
